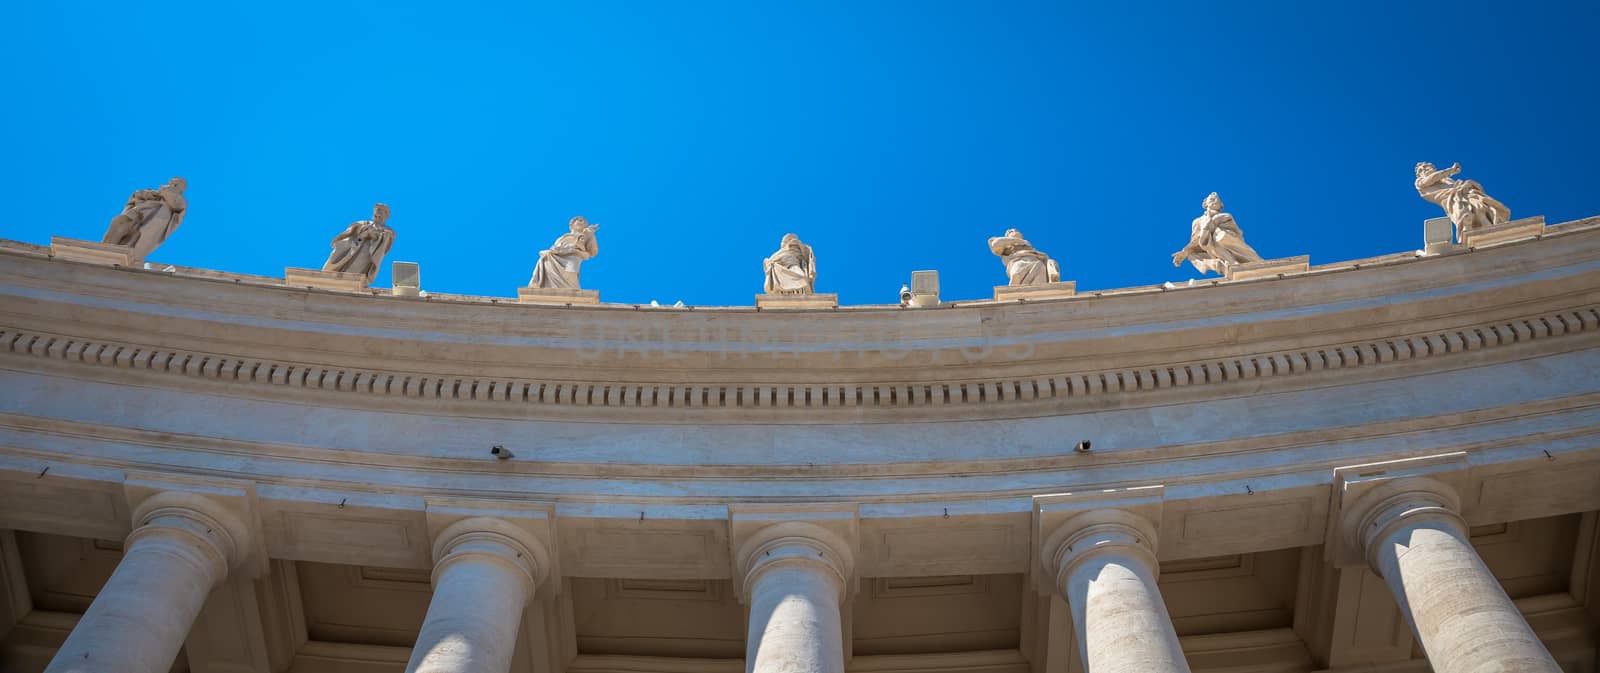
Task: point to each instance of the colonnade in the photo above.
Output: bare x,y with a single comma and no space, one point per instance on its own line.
796,579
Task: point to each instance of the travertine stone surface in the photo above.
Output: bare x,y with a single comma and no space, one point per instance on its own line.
1267,268
1215,241
1414,538
324,280
91,252
360,248
180,549
814,300
1024,264
558,267
148,218
1105,567
795,576
485,573
792,269
1463,200
1042,291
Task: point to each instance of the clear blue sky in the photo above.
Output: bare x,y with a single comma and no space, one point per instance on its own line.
890,136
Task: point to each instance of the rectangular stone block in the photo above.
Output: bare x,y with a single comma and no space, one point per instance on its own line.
407,278
324,280
1269,268
797,300
94,253
538,295
1515,230
1438,235
1034,292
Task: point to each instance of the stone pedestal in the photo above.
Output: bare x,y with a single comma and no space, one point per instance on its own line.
1414,539
535,295
1105,567
797,300
1438,235
1515,230
181,548
406,278
1031,292
75,250
485,572
324,280
1269,268
795,575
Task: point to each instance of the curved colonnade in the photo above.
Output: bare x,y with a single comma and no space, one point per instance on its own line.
1370,414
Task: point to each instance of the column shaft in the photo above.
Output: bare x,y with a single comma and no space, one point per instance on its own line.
1456,607
1122,623
795,621
142,615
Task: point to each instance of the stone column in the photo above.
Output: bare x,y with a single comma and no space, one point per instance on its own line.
485,572
1105,567
181,548
1414,538
795,576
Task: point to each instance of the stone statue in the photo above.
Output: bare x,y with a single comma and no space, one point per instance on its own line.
360,249
1024,265
1463,200
792,269
150,216
1215,241
558,266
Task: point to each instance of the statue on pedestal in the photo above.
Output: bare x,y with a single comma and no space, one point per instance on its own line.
792,269
360,249
558,266
1463,200
1024,264
1215,241
149,217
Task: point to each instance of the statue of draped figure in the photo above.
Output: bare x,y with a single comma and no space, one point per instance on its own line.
1024,264
362,245
558,266
149,217
1463,200
1215,241
792,269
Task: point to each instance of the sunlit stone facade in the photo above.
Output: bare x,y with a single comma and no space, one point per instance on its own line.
1374,465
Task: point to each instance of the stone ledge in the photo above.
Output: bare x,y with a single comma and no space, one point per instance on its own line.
324,280
1045,291
75,250
1515,230
1269,268
781,301
540,295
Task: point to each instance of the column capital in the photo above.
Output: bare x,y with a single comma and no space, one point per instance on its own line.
208,526
494,540
1096,533
790,544
1374,514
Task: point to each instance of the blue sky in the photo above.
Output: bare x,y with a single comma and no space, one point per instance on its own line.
891,136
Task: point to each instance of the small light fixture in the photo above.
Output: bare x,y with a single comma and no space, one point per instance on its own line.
502,452
1082,447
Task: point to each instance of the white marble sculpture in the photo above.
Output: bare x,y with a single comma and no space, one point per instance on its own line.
1463,200
150,216
558,266
792,269
360,249
1215,241
1024,264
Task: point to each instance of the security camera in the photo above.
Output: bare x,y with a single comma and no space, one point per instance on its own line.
501,452
1082,447
905,295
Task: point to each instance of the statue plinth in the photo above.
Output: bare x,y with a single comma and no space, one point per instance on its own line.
75,250
797,300
324,280
1268,268
1515,230
548,295
1033,292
